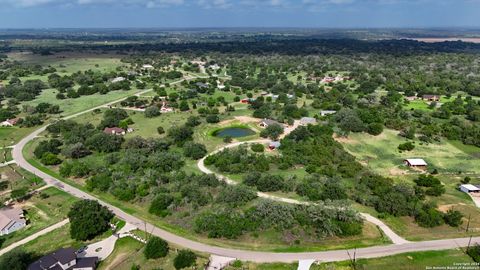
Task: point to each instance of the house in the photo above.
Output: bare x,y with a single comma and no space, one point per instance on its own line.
328,79
64,259
411,98
246,100
274,145
165,108
118,79
214,67
268,122
114,131
10,122
469,188
431,97
415,162
325,113
147,66
11,219
305,121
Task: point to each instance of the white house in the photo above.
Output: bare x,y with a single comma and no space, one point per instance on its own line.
469,188
10,122
11,219
324,113
147,66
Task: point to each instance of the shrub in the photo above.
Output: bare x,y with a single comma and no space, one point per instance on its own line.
257,147
408,146
160,130
160,204
194,150
453,218
88,219
155,248
429,216
184,258
16,259
212,118
152,111
50,159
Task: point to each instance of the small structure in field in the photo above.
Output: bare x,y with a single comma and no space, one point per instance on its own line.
114,131
11,219
469,188
274,145
411,98
147,66
325,113
305,121
415,163
431,97
10,122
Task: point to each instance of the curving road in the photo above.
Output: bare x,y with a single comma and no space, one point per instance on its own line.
246,255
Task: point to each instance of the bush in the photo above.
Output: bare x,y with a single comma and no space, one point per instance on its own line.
155,248
50,159
160,130
257,147
453,218
212,118
375,128
408,146
160,204
152,111
429,216
194,150
474,253
184,258
272,131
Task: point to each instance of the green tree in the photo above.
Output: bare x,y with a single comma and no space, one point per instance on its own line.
17,259
88,219
194,150
272,131
160,204
155,248
184,258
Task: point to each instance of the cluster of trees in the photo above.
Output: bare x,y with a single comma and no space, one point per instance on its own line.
324,219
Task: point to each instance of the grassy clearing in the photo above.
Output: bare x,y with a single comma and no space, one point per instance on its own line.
129,251
406,261
42,212
70,106
11,135
380,154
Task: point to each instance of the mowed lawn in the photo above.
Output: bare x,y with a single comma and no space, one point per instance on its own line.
41,213
380,153
11,135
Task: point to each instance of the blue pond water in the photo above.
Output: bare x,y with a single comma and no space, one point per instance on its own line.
234,132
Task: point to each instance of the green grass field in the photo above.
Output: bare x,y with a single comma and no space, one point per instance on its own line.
380,154
129,251
11,135
71,106
42,213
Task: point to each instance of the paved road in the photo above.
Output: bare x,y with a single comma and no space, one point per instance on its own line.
33,236
246,255
102,249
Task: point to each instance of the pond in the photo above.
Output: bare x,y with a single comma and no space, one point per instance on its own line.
234,132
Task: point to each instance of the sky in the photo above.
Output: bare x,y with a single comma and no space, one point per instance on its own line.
238,13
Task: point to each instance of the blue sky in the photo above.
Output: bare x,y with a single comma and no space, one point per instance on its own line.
239,13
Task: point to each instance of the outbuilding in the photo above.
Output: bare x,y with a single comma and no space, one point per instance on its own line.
274,145
415,162
469,188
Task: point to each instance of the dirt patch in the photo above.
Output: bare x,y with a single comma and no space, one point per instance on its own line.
397,171
120,258
246,119
444,208
342,139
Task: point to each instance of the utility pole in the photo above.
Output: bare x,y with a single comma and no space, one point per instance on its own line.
468,223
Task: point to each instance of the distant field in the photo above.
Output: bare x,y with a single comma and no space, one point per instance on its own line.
66,63
71,106
380,153
433,40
